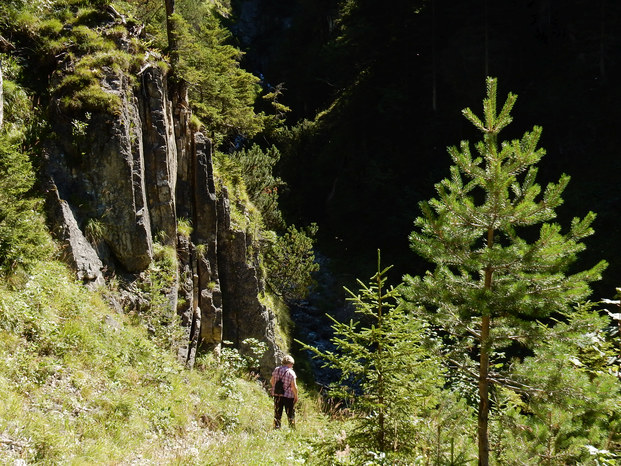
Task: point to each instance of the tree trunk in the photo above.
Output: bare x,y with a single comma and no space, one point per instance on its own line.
380,375
170,9
484,393
434,64
173,48
486,37
484,370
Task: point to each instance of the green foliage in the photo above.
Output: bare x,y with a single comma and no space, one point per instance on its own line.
184,227
80,37
569,409
257,170
23,236
472,228
19,114
290,262
94,230
468,234
229,366
66,366
81,91
284,323
248,176
80,385
288,259
389,377
244,215
156,293
79,131
233,364
222,93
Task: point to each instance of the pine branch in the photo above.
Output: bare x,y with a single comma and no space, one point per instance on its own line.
498,379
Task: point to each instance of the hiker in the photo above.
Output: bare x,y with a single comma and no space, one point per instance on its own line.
284,391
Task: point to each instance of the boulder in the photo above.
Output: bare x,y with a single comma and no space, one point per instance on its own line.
78,252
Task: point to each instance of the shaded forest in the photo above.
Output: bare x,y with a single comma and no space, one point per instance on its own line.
376,95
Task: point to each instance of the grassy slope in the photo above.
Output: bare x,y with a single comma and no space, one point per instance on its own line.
82,385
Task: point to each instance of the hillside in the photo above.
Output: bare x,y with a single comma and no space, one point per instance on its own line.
82,384
376,94
187,187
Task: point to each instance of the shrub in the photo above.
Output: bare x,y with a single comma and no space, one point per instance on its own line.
23,236
256,168
290,263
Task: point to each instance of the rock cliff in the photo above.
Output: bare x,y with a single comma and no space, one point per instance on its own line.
118,183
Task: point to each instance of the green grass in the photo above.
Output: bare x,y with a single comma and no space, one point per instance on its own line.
244,215
184,227
82,385
284,324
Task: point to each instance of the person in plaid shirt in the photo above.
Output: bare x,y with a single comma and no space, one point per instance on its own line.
290,397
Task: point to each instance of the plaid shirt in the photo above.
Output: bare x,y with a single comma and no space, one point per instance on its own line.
287,375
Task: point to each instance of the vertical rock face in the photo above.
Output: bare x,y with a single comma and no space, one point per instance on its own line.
206,226
104,180
245,316
124,186
187,307
160,154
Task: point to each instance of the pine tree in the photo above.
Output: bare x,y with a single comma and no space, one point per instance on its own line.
290,262
23,236
387,373
221,92
490,285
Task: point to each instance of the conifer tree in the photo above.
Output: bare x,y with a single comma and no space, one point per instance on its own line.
24,239
23,236
387,374
494,274
222,94
290,262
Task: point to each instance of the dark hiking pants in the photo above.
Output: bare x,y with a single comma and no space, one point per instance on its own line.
281,402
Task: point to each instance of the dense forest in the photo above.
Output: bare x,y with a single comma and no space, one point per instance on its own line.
384,88
192,189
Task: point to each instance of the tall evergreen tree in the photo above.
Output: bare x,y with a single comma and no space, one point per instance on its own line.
494,276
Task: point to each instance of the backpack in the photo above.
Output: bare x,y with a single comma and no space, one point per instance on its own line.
279,386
